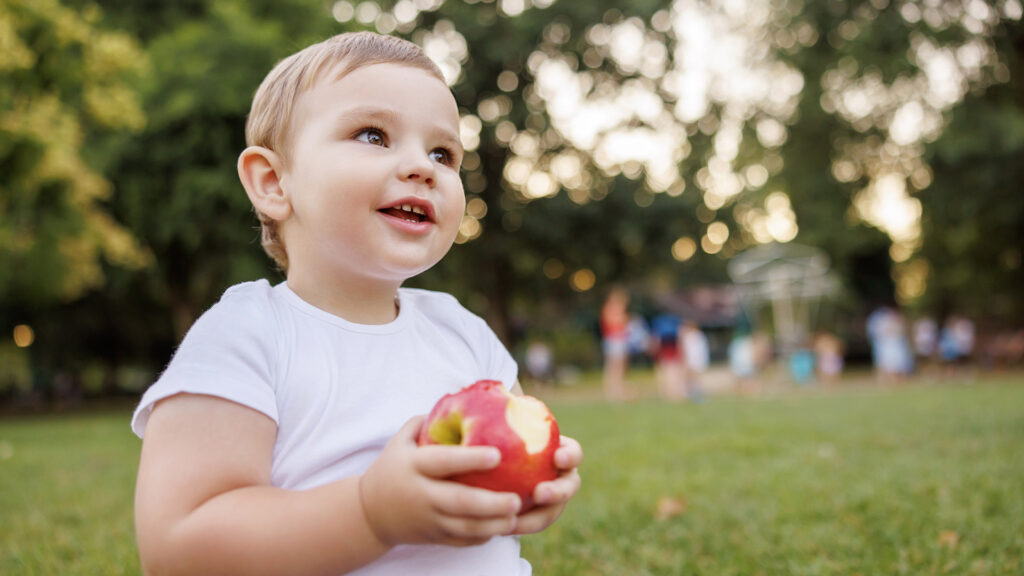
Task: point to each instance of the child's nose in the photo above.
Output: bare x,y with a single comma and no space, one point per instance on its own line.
417,166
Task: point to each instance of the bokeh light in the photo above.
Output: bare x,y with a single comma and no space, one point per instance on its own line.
709,246
469,132
446,47
911,279
343,11
367,12
684,248
469,229
582,280
24,336
553,268
477,208
718,232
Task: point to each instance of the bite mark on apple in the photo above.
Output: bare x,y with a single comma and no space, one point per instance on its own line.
530,419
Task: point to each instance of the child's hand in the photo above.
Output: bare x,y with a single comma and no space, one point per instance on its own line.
551,497
407,500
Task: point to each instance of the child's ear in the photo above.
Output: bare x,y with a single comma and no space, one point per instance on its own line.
260,170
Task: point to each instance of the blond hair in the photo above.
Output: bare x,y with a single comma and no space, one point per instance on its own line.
270,117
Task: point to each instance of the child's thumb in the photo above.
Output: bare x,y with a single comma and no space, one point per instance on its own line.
411,429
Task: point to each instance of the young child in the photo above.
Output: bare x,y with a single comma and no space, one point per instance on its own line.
281,437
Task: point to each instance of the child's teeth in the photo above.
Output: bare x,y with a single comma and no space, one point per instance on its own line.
420,213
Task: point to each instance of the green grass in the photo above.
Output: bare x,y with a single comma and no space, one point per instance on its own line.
66,486
920,480
925,479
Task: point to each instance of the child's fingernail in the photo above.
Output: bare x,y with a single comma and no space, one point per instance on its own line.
494,457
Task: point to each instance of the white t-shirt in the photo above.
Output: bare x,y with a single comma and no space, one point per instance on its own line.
339,391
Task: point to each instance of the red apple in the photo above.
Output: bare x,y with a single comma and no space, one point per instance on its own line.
521,427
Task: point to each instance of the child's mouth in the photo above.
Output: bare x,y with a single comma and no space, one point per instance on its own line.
406,212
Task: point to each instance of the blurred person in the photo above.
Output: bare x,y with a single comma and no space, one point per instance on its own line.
802,365
281,438
926,337
874,326
638,339
889,345
963,333
697,356
764,351
540,362
956,343
743,360
828,352
669,366
614,322
905,366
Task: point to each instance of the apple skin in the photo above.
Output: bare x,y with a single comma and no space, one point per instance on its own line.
477,416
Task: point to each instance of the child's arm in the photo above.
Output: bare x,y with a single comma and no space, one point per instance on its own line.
204,504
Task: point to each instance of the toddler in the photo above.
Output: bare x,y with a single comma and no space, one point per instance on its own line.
280,439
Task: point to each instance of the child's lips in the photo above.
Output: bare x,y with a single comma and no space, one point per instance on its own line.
414,218
413,211
405,214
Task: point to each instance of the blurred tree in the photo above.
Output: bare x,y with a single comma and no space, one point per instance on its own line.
973,229
64,82
573,234
175,190
912,129
642,143
790,120
177,187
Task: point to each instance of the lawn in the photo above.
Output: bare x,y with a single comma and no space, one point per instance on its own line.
922,479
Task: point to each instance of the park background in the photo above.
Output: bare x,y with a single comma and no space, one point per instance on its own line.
644,144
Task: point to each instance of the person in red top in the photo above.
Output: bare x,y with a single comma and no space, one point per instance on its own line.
669,364
614,322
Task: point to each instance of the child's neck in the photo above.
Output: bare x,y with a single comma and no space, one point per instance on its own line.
361,303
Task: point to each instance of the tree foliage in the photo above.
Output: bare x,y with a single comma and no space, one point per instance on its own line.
178,190
607,145
67,91
974,213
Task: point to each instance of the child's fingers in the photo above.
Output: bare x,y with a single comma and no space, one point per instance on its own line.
475,529
454,499
410,430
537,519
557,491
551,498
443,461
569,454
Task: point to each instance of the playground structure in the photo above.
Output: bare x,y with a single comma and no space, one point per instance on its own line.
792,281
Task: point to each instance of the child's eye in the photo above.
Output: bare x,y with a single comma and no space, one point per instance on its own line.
442,156
371,136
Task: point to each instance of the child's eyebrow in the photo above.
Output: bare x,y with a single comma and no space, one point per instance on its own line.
371,113
386,115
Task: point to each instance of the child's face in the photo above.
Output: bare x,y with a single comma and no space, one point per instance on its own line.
373,175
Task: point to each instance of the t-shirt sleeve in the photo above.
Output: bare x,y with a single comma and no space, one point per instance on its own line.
229,353
495,360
